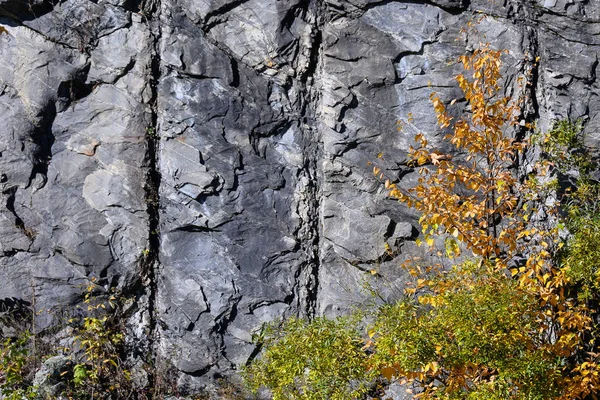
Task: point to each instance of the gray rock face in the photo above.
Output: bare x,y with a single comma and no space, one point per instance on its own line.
237,215
74,156
213,159
48,377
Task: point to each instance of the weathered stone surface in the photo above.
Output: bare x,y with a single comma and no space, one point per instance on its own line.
213,159
232,161
73,163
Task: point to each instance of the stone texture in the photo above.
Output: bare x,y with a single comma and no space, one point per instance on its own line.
213,159
234,179
73,160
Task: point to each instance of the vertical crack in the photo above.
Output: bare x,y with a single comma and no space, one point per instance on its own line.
309,79
314,222
528,103
150,262
530,109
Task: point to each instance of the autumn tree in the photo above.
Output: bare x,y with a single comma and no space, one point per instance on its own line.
509,312
505,321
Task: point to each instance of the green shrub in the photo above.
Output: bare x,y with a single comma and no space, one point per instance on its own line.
580,254
15,364
318,360
98,346
476,333
564,146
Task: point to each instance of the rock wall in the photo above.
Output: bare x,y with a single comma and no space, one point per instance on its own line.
211,159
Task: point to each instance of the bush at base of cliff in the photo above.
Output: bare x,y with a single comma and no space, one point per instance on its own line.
15,363
99,369
91,367
321,359
475,333
477,339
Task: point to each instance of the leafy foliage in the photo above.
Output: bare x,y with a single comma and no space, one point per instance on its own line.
317,360
99,342
15,359
480,334
580,257
467,199
563,146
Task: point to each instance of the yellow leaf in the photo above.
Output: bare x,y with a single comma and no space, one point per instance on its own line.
388,373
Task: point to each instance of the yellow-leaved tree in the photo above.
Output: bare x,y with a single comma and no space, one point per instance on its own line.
504,320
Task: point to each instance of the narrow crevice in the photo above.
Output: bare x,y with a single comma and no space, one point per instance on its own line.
75,89
591,78
346,59
351,105
130,65
235,73
195,228
528,102
533,84
150,261
530,109
43,138
314,152
199,373
133,6
182,73
11,252
316,50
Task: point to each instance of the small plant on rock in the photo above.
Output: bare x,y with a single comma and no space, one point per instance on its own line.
98,371
15,364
